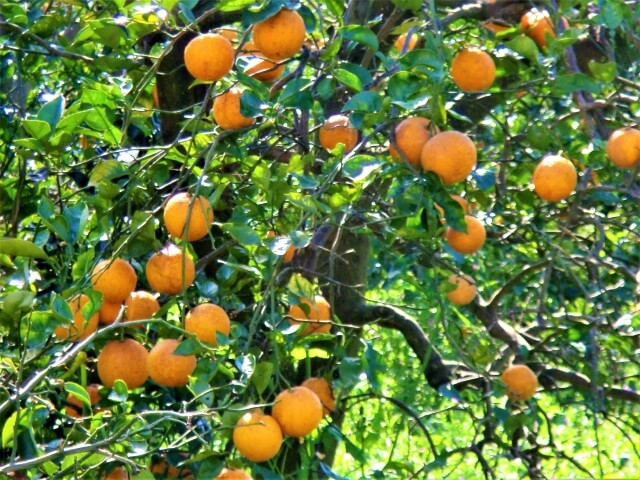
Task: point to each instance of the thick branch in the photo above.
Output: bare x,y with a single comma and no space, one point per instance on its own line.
582,382
435,371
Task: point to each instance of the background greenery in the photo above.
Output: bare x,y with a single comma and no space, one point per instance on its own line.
84,170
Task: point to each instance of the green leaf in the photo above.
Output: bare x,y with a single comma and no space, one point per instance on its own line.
348,79
605,72
244,234
262,376
70,122
408,4
524,46
404,85
189,346
51,112
38,129
17,247
233,5
17,302
361,35
335,6
366,101
79,392
107,170
573,82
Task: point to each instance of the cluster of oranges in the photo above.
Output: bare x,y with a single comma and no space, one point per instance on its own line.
296,413
211,56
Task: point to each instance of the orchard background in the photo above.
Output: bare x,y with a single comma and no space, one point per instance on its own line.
89,159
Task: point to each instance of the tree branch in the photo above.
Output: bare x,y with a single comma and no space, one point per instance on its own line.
435,371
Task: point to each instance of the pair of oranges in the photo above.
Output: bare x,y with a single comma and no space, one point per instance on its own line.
296,412
210,56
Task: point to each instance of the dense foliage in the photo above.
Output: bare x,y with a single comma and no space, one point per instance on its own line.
88,159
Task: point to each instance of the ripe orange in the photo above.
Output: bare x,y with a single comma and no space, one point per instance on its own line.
226,110
461,201
555,178
536,24
336,129
473,70
322,389
402,40
207,319
209,57
165,272
168,369
451,155
280,36
114,278
257,436
410,135
623,147
317,321
81,328
233,474
109,312
521,382
75,408
228,33
298,410
124,360
469,242
264,69
465,289
140,305
165,470
117,473
183,207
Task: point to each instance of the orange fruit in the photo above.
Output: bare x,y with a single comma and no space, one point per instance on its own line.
402,40
410,135
280,36
165,470
228,33
318,320
264,69
461,201
81,328
168,369
257,436
75,408
209,57
469,242
114,278
117,473
182,208
226,110
521,382
207,319
451,155
335,130
109,312
536,24
322,389
555,178
124,360
169,270
298,411
233,474
140,305
473,70
623,147
465,289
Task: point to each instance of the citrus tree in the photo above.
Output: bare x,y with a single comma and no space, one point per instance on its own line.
319,239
